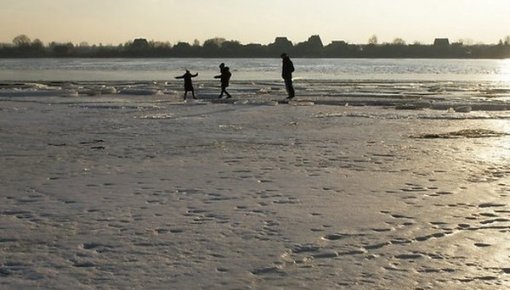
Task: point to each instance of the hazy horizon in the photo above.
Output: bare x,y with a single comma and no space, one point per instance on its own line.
118,21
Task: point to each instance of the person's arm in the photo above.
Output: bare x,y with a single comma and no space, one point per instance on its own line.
181,77
195,75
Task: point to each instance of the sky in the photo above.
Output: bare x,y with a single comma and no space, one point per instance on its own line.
254,21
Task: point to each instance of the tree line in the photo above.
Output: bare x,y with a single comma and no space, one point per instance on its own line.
23,46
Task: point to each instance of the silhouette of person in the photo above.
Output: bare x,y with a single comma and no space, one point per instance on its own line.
287,70
225,78
188,84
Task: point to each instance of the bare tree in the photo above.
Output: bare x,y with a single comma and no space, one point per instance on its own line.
373,40
21,41
215,42
37,43
399,41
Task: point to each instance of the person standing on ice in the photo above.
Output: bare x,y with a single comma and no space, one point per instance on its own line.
225,78
287,70
188,84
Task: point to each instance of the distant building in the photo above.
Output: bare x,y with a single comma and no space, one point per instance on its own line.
282,42
441,42
337,44
315,42
140,43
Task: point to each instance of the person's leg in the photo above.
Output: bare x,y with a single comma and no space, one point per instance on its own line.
185,94
228,95
289,88
291,91
193,94
221,93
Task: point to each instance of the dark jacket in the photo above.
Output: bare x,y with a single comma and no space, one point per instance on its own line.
188,85
287,68
224,77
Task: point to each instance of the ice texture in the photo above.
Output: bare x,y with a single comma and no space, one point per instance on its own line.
111,190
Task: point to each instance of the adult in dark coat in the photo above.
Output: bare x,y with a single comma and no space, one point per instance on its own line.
225,78
287,70
188,84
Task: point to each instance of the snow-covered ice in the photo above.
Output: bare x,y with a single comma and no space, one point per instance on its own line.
144,191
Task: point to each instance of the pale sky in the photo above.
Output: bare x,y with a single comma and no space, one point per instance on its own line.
259,21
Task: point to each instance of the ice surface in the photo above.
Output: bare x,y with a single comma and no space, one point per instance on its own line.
115,191
462,97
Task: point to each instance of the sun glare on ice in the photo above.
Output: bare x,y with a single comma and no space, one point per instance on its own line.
505,70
